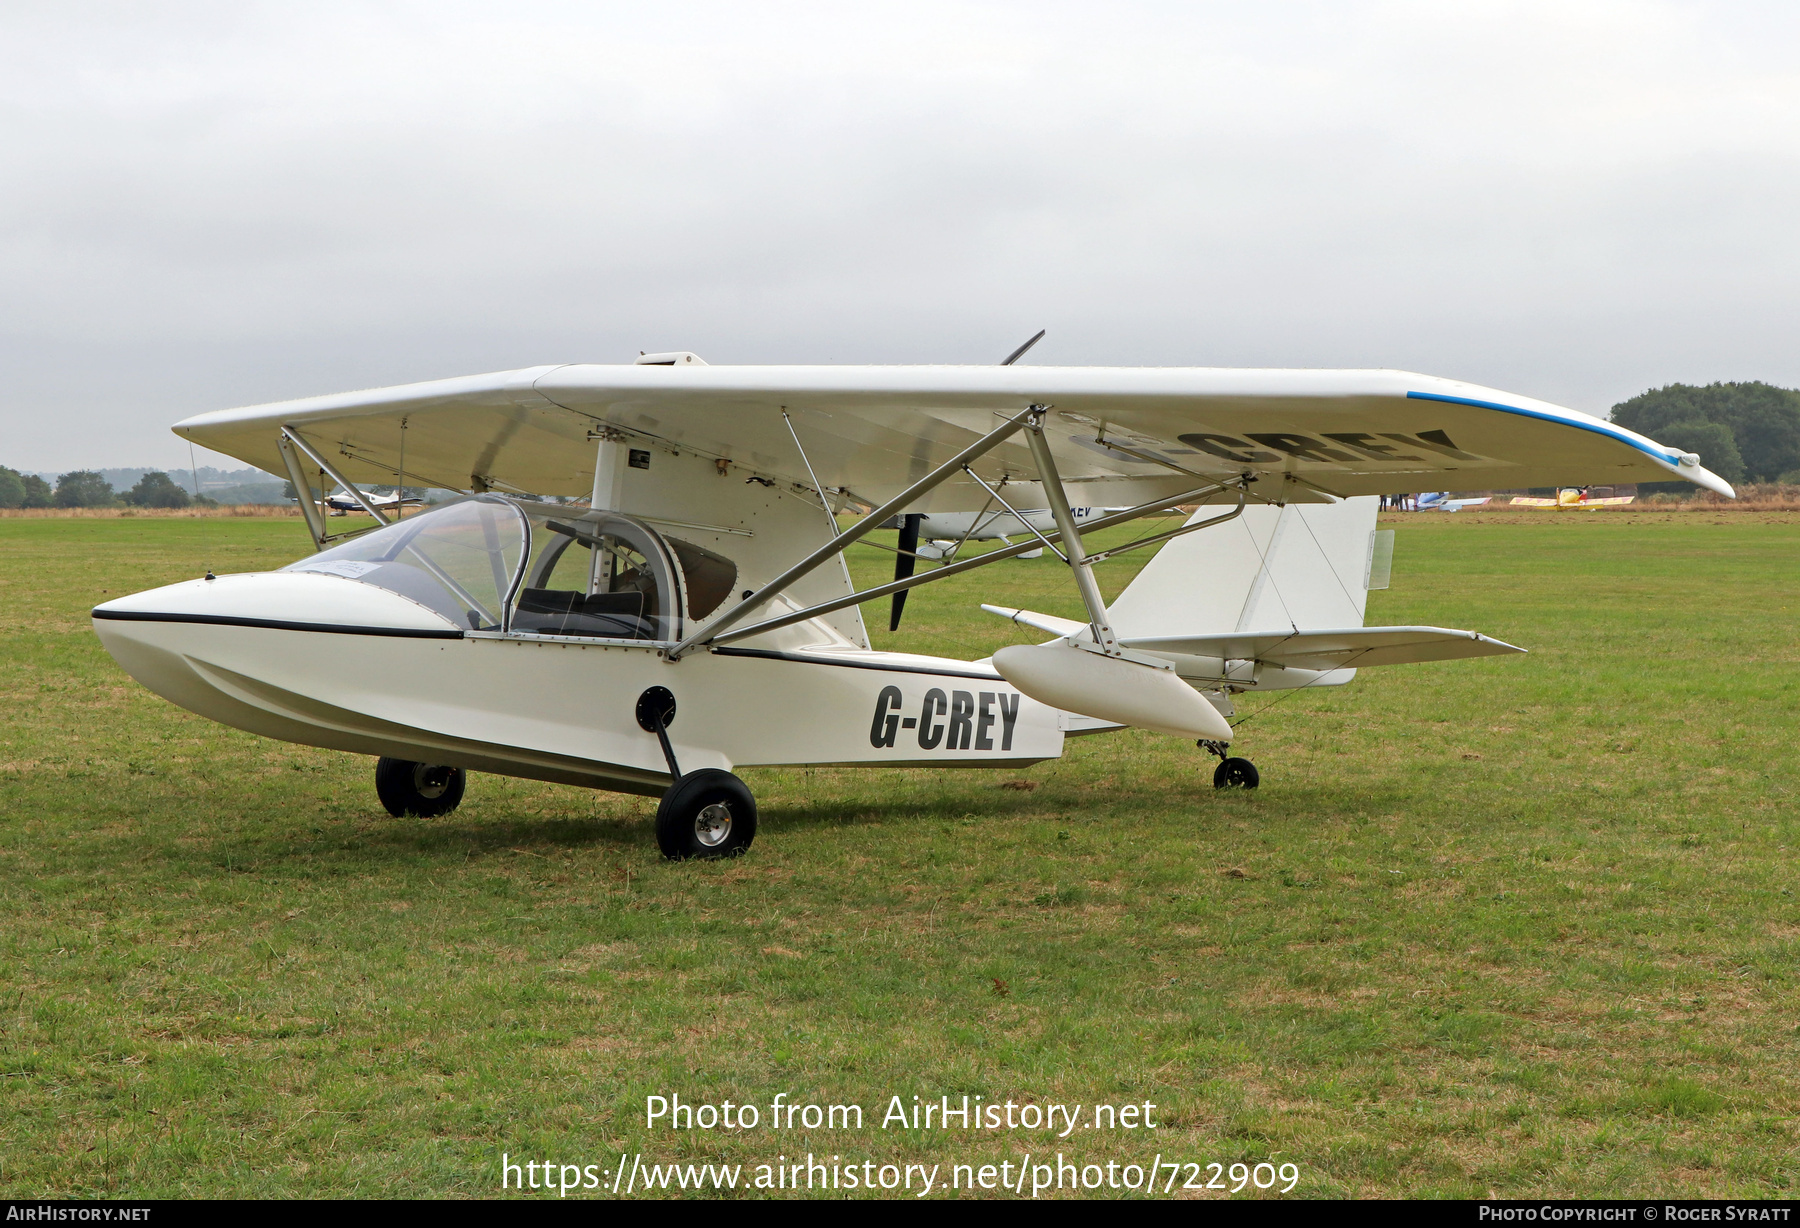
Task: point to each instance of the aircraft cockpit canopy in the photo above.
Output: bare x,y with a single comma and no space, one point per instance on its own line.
494,563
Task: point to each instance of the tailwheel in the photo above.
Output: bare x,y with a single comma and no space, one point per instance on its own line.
709,813
1236,774
418,790
1231,773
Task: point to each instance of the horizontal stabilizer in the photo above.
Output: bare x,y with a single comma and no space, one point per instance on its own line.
1043,622
1350,648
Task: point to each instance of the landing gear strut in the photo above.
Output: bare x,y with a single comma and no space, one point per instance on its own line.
1231,773
709,813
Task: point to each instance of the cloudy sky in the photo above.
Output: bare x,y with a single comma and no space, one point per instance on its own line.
208,205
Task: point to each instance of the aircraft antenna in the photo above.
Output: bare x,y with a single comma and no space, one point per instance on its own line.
1019,353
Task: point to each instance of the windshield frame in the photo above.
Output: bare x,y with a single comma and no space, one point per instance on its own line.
575,523
399,547
573,517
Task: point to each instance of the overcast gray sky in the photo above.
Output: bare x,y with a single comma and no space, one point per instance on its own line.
208,205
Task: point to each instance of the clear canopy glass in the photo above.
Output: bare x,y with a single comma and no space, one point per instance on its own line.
493,563
606,574
460,560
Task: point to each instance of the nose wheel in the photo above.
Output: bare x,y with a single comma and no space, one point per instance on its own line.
1232,773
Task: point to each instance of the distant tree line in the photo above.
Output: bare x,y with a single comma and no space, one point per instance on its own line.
85,488
1742,432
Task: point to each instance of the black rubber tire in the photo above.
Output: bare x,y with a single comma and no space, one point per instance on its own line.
684,829
1236,774
418,790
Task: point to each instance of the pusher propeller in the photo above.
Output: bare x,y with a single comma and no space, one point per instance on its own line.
903,564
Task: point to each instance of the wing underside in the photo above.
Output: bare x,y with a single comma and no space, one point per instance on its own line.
1119,435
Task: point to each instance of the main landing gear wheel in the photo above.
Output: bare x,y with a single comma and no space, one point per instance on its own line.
1236,774
418,790
708,813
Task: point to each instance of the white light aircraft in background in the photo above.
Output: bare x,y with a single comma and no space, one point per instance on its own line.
343,504
699,617
1440,501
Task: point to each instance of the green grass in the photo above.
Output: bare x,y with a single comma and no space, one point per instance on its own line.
1521,926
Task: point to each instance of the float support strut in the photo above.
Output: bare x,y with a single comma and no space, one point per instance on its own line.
1085,584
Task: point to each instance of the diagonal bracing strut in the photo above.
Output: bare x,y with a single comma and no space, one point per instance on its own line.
309,511
835,546
1015,514
351,488
1007,552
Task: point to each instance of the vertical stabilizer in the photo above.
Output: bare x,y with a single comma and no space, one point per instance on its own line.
1303,566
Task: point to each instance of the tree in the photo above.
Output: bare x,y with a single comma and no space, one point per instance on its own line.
1763,421
157,490
12,488
83,488
37,492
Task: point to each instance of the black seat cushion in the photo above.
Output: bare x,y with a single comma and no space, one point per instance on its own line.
567,612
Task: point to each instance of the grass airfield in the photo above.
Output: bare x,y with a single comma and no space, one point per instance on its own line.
1521,927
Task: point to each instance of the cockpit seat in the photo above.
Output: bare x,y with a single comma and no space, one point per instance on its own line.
556,611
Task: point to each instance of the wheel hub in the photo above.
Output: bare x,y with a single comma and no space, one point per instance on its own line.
712,826
431,780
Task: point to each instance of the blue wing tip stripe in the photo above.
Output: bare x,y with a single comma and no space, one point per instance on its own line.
1594,425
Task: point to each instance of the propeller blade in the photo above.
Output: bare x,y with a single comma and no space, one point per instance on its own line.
903,564
1020,352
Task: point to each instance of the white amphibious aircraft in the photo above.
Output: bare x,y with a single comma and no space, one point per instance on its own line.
698,616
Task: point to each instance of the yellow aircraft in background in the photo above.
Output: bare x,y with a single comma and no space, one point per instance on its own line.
1573,496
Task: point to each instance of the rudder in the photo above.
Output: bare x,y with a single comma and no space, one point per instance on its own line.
1304,566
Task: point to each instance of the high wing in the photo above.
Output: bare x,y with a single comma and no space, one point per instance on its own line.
1119,435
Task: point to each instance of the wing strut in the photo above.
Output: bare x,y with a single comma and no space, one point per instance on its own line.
351,488
835,546
1006,552
309,510
1085,584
